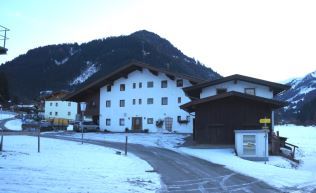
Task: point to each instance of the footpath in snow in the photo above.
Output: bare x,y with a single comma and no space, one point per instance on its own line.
64,166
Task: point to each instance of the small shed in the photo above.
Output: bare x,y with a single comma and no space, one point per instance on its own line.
252,144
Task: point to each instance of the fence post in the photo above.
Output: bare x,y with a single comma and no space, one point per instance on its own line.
126,140
38,141
1,143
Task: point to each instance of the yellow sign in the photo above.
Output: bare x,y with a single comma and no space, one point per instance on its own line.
265,120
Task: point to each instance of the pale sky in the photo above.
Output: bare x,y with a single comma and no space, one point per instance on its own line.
270,39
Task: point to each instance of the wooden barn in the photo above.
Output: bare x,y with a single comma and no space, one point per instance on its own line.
232,103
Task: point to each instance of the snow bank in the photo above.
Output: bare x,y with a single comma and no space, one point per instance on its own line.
305,139
15,125
64,166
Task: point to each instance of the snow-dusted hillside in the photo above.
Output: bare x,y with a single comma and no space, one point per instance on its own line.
302,91
90,69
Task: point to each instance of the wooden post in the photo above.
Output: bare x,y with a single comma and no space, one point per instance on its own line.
1,143
126,140
81,127
38,141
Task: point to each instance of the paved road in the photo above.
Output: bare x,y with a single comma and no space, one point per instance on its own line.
183,173
2,123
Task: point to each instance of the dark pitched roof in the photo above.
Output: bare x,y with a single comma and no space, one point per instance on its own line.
194,91
123,72
189,107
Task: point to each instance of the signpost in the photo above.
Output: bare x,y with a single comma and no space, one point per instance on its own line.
265,121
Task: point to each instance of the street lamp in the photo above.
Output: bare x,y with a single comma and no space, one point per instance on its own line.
83,106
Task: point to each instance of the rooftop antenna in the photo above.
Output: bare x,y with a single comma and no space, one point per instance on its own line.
3,37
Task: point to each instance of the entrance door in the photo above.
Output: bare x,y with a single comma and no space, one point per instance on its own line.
137,123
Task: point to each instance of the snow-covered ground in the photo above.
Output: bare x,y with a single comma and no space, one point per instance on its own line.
273,175
6,115
64,166
305,139
278,171
15,125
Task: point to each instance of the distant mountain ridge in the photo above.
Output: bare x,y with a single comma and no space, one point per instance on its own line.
70,66
302,100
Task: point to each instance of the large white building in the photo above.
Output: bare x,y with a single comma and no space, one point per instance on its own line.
139,97
60,109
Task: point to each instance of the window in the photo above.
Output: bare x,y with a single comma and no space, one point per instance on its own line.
122,122
164,84
150,84
221,90
69,113
150,101
122,103
140,85
251,91
108,122
56,104
50,113
122,87
56,113
179,99
140,101
50,104
179,83
150,120
108,103
108,88
69,104
134,85
164,100
249,144
134,101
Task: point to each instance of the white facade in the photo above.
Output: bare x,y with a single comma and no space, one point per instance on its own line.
61,109
252,144
239,86
116,118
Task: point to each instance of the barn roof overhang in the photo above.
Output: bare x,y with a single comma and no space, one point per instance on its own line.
193,105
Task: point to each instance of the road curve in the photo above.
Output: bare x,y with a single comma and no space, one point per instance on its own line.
181,173
3,122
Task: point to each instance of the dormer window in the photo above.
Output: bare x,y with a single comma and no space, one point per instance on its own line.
108,88
122,87
179,83
221,90
251,91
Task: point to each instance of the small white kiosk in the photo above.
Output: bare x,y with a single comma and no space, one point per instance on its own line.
252,144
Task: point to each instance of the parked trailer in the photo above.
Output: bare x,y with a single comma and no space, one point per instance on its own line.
59,123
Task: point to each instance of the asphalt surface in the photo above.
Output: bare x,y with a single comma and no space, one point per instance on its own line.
184,173
2,123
